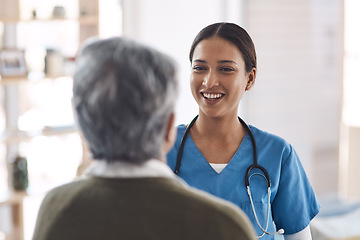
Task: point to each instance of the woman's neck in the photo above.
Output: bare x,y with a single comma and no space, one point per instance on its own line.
217,138
218,128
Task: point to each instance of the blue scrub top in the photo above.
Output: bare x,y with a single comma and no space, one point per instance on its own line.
293,201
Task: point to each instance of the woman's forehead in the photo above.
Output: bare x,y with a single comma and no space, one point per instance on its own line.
217,48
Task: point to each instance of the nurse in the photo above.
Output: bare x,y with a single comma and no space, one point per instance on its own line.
218,149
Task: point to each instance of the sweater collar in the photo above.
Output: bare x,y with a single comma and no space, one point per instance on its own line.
121,169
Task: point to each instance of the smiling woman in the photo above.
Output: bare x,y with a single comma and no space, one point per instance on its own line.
222,154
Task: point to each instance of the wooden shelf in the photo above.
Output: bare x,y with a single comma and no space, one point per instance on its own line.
20,136
9,20
6,80
12,197
86,19
11,80
89,20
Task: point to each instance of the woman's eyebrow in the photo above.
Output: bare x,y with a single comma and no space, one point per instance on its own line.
220,61
199,60
227,61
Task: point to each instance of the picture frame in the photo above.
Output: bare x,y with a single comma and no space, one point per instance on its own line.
12,63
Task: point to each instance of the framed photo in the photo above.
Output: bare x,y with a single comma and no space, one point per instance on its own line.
12,63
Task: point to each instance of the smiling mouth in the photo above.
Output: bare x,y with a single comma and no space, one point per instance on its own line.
212,96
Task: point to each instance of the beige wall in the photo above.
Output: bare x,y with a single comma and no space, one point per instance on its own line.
298,94
350,163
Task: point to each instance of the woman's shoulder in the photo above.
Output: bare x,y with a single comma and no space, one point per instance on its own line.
263,133
181,127
264,137
180,133
270,144
181,130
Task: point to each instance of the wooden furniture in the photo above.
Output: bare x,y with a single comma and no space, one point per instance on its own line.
15,201
12,15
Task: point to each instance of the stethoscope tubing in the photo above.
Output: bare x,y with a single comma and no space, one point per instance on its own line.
255,157
182,144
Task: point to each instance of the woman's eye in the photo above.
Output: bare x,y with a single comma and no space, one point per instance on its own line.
226,69
198,68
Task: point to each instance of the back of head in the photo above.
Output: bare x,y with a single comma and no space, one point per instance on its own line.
232,33
123,96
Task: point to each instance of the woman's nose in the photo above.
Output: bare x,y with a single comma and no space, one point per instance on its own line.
210,80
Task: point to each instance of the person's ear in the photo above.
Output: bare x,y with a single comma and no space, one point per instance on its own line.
250,79
170,135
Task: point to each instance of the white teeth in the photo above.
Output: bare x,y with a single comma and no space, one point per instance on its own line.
212,95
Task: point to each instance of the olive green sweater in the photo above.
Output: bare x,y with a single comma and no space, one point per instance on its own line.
97,208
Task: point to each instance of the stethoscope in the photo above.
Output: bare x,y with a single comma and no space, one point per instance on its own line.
255,165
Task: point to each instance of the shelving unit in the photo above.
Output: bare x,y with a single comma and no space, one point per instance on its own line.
15,200
12,96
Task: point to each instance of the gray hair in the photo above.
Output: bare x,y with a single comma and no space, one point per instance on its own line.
123,96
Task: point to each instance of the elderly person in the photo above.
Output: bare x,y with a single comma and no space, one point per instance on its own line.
124,95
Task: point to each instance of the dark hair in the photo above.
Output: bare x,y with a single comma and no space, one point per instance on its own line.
123,96
232,33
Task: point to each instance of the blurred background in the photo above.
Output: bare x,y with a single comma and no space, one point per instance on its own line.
307,90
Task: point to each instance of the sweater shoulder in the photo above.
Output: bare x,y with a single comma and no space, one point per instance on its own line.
223,214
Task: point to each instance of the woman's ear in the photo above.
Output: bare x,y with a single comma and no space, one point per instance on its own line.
251,79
